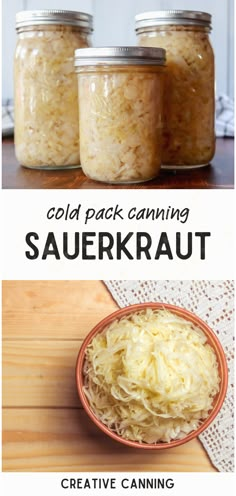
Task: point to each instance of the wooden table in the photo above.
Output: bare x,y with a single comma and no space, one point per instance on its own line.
220,174
44,425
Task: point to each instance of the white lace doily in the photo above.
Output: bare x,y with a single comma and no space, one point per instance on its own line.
213,301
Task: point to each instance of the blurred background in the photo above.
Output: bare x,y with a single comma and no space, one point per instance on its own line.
114,25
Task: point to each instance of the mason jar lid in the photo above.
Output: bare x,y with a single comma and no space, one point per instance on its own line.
120,55
177,17
27,18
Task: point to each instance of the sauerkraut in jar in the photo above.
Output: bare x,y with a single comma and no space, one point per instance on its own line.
46,99
189,100
120,102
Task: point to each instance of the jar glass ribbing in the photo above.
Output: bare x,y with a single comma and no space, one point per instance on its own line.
46,100
189,99
120,119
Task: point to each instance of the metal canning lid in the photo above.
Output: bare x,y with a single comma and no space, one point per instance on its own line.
177,17
122,55
63,17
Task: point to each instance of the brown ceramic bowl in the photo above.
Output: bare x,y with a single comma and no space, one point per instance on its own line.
212,340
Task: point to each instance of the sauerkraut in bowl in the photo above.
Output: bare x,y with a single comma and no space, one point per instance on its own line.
152,376
121,123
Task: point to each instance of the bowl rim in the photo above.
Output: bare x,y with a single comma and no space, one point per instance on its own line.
212,338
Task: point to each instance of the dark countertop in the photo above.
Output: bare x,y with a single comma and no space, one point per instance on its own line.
220,174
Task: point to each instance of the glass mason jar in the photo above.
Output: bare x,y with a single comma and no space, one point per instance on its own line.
189,100
46,100
120,102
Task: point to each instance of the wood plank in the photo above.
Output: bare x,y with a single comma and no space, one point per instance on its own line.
9,37
81,5
230,54
44,322
53,309
66,440
219,174
39,373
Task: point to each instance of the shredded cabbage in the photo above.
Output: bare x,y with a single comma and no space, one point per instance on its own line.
188,135
121,123
46,98
151,376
